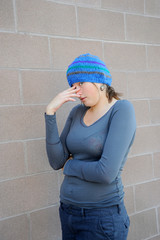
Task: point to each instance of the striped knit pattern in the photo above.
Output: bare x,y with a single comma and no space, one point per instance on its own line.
88,68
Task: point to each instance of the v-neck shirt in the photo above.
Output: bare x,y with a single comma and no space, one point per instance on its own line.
83,115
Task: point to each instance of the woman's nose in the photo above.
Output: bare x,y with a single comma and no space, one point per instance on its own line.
79,90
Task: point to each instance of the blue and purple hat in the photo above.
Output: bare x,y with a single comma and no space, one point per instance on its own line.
88,68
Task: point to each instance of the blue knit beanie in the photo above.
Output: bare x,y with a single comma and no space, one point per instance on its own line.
88,68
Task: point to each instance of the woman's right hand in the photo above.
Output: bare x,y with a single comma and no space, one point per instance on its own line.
61,98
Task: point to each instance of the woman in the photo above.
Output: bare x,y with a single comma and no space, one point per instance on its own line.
92,151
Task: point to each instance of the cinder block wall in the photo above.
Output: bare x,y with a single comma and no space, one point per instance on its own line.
38,39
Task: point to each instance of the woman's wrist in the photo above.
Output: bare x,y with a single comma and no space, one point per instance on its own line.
50,111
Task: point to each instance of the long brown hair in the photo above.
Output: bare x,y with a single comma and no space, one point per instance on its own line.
111,93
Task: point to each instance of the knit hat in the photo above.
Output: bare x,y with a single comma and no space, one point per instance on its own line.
88,68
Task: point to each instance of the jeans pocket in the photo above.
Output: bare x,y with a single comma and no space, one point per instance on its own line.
127,222
106,226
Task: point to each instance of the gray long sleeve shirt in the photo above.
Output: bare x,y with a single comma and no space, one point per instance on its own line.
92,178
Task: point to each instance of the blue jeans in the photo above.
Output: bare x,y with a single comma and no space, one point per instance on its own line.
111,223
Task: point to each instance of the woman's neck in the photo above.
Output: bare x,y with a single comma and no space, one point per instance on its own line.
96,112
102,106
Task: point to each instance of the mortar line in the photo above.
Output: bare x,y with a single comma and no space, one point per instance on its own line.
84,39
104,9
30,225
29,211
15,14
27,176
144,210
77,22
151,237
157,220
143,182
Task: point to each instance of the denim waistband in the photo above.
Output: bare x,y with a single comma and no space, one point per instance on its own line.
79,211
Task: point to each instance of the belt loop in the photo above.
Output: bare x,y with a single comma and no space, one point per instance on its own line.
83,212
119,208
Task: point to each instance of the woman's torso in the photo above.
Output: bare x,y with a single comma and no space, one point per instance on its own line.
86,144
